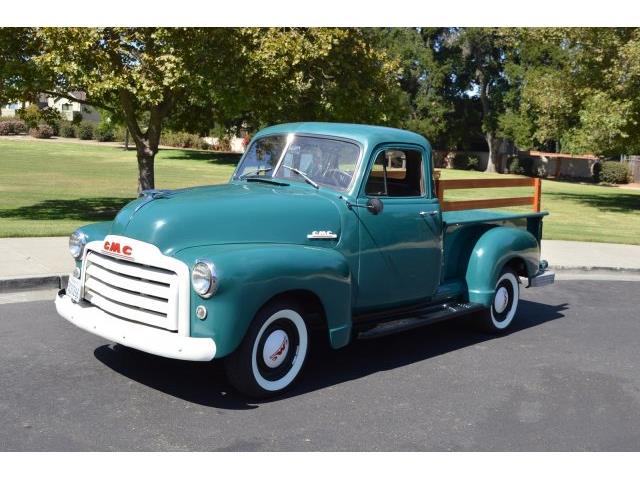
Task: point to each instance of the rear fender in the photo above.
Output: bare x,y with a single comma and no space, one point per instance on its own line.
493,250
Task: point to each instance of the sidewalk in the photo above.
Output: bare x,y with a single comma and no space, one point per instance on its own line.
45,261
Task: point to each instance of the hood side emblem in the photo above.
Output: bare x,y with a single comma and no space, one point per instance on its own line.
322,235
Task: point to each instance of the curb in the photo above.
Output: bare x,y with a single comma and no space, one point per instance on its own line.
33,282
574,268
36,282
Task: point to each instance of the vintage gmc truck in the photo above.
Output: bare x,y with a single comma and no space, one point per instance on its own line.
329,230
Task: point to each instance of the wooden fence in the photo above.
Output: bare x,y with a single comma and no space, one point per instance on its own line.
533,201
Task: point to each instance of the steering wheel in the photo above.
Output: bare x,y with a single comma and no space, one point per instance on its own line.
340,178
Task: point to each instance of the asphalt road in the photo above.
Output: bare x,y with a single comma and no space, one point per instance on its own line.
567,379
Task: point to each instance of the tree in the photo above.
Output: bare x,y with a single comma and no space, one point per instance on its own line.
140,74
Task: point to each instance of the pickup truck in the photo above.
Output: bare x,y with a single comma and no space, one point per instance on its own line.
326,231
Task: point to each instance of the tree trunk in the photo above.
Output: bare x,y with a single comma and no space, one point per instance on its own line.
146,157
494,146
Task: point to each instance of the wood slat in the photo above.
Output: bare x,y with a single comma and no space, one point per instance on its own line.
489,203
486,183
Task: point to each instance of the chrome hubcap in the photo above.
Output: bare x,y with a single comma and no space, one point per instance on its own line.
275,348
501,300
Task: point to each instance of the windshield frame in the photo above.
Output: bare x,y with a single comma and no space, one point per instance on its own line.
290,137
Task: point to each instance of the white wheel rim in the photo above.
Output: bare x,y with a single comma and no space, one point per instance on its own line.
275,348
299,356
501,324
501,300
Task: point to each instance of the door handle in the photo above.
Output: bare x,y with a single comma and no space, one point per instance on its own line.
431,213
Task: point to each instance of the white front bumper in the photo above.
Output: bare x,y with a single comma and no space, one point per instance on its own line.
134,335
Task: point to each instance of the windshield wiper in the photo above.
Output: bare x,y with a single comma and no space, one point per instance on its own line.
255,172
303,175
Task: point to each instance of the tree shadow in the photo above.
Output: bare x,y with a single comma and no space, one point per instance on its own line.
617,201
216,158
205,383
82,209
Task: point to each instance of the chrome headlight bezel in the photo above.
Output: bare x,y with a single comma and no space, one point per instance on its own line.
77,242
204,279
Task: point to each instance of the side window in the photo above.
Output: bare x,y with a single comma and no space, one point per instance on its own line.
396,173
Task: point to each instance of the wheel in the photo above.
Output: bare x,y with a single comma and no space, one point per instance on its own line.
500,315
272,352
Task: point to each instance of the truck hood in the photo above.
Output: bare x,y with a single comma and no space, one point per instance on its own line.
247,212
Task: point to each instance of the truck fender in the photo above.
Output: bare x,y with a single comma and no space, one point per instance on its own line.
250,275
493,250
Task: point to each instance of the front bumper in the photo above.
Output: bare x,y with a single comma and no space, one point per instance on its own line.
134,335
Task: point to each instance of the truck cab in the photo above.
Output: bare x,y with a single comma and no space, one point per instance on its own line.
334,231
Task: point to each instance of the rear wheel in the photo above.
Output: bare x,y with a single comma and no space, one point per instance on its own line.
272,354
504,305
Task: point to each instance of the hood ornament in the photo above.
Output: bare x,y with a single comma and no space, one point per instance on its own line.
322,235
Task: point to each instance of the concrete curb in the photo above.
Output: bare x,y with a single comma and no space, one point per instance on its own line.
33,282
38,282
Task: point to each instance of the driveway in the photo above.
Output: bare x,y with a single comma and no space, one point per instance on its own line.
566,379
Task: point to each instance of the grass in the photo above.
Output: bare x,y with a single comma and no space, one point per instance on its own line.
577,211
51,188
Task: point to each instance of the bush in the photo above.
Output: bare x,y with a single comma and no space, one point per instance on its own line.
41,131
612,172
473,163
464,162
30,115
12,127
85,131
104,132
180,139
516,166
68,130
223,145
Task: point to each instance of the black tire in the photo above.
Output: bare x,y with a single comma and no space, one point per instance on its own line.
504,305
272,353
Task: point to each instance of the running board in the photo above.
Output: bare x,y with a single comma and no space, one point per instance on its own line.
417,319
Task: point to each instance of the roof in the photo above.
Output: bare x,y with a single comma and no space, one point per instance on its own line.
367,135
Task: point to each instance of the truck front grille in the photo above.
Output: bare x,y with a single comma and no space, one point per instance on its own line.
135,292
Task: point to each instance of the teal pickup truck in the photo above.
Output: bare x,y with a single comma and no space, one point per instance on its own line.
325,230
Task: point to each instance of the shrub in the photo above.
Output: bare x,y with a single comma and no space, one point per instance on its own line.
51,117
180,139
515,166
41,131
76,119
85,131
104,132
465,162
67,130
12,127
223,145
473,163
612,172
30,115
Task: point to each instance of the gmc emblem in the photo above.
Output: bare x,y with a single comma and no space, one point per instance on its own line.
114,247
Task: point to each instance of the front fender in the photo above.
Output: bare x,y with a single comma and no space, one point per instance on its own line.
95,231
493,250
250,275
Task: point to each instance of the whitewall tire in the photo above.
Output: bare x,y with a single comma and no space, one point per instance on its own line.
272,353
504,305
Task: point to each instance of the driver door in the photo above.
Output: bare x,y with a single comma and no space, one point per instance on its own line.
400,256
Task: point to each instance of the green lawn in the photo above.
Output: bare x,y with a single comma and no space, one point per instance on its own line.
50,188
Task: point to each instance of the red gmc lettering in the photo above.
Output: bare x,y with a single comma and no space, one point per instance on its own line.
115,248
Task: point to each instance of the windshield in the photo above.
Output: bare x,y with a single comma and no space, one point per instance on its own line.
325,161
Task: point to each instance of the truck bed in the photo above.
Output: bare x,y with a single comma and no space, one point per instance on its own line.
462,228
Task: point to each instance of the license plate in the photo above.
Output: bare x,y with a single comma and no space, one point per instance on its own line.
73,288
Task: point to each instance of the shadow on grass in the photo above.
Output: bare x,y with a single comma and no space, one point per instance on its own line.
204,383
83,209
614,201
216,158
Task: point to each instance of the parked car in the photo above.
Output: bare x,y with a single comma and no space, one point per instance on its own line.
325,230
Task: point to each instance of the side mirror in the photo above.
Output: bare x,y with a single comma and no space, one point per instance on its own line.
375,205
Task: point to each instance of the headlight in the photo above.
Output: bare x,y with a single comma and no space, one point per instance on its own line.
77,241
203,278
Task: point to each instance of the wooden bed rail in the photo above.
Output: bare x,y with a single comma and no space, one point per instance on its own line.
534,201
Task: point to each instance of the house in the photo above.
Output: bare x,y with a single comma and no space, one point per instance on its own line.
65,106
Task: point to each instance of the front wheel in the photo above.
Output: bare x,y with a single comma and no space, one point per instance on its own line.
272,353
504,306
